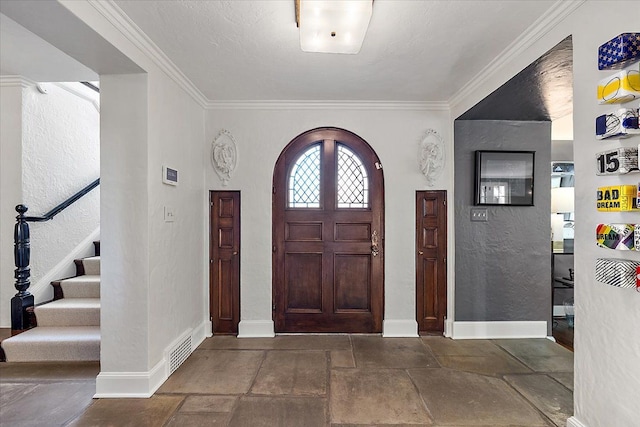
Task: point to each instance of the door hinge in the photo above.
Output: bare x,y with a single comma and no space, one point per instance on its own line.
444,202
273,189
211,203
445,260
378,165
273,307
273,249
211,261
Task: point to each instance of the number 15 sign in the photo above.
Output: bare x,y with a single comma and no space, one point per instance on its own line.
617,162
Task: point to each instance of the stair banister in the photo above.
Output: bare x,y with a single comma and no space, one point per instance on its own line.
22,253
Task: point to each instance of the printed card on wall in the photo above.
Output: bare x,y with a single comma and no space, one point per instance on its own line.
621,123
621,273
618,161
617,198
624,86
619,52
616,236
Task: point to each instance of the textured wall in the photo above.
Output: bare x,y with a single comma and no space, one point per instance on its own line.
262,134
61,155
503,266
10,188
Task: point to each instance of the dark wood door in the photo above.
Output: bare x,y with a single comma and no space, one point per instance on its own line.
431,265
224,271
327,232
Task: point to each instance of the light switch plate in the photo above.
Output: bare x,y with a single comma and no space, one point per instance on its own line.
479,214
169,214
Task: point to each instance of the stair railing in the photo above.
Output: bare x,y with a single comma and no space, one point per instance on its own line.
23,300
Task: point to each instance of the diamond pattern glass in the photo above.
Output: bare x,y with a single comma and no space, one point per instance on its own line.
353,183
304,180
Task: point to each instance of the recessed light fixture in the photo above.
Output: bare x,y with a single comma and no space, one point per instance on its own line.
333,26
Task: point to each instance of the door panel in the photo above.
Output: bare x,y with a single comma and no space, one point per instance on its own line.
224,274
326,278
431,250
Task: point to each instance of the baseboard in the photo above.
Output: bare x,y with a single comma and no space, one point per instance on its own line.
199,334
490,330
573,422
448,328
399,328
110,385
256,329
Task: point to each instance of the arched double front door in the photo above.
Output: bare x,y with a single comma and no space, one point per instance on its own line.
328,223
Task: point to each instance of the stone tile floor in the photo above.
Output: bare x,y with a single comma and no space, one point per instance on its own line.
339,380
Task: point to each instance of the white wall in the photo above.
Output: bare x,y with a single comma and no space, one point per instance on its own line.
154,287
61,155
607,339
10,187
261,135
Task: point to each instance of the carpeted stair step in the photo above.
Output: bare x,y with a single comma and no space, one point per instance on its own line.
69,312
77,287
77,343
89,266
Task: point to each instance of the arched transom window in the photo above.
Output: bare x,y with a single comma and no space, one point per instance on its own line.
352,183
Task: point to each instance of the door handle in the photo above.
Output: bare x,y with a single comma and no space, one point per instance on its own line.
234,253
420,253
375,250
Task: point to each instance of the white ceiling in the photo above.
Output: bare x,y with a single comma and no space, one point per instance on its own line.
415,50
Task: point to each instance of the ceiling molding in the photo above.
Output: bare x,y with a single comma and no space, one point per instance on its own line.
135,35
327,105
556,14
16,81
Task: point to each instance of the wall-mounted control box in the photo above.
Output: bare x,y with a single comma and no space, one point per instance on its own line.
169,176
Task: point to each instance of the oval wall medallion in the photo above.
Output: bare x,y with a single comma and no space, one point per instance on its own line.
431,156
224,155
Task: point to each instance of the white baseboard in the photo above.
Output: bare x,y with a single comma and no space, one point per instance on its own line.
110,385
256,329
448,328
491,330
399,328
573,422
199,334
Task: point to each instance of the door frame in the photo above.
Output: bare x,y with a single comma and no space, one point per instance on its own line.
301,141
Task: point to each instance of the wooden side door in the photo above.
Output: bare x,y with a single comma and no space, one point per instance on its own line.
328,249
224,266
431,266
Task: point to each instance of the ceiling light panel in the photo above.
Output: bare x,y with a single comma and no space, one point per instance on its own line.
334,26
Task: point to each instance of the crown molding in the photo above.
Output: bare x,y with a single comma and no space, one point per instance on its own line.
556,14
16,81
119,19
328,105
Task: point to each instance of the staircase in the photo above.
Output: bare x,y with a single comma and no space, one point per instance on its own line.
69,326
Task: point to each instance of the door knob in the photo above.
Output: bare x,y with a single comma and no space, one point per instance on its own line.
235,253
420,252
375,250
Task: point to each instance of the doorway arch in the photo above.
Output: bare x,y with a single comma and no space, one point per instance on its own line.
328,225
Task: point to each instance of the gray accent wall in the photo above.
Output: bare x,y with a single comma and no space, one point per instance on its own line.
503,266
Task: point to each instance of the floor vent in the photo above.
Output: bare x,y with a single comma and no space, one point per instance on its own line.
179,354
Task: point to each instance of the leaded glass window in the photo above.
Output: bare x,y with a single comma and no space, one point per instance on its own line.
304,180
353,184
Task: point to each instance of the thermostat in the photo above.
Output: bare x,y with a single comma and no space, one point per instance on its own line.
169,176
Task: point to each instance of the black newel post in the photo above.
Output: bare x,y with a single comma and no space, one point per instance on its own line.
22,252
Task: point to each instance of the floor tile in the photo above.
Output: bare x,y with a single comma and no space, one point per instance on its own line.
342,359
549,364
553,399
286,342
300,373
564,378
212,419
215,372
441,346
385,396
151,412
48,404
208,404
49,371
281,412
462,398
533,347
378,352
495,364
